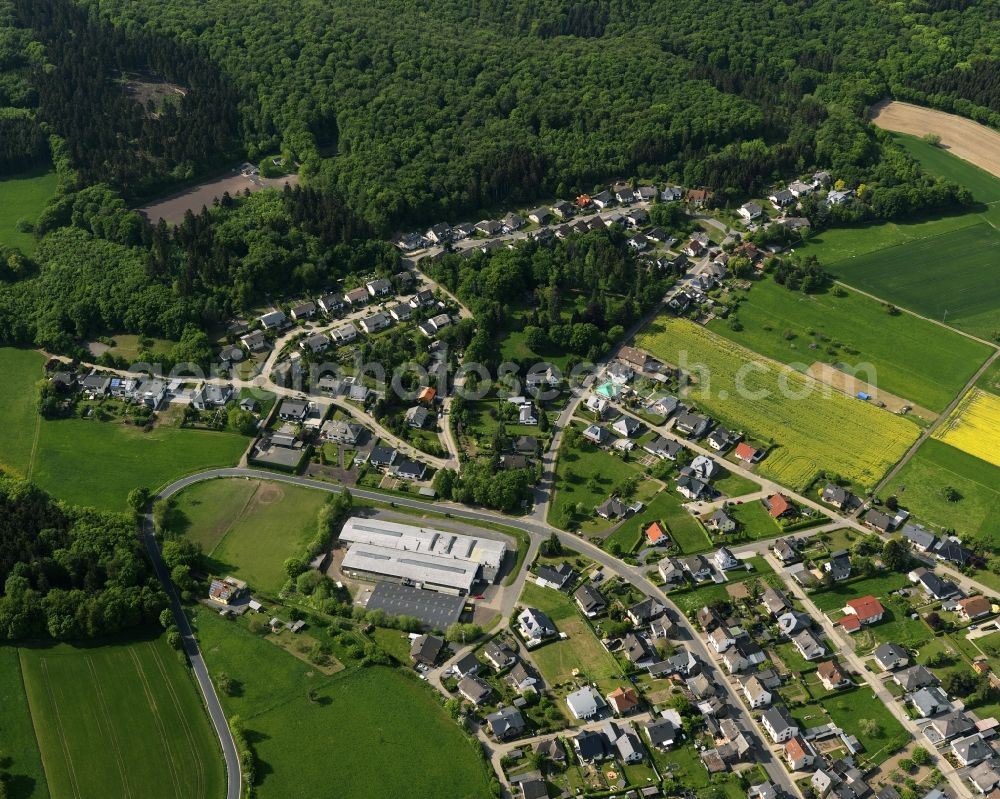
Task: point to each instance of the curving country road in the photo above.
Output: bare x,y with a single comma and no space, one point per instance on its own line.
538,531
234,774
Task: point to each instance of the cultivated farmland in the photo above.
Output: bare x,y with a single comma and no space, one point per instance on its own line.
814,428
24,766
938,161
912,358
921,482
974,426
120,720
953,277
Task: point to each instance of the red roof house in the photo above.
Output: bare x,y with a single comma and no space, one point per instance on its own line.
745,452
867,609
778,505
656,534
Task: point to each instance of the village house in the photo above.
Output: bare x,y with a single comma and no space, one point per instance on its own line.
272,320
345,333
664,448
331,303
506,723
585,703
662,733
779,724
779,506
534,626
692,425
831,676
474,690
305,310
748,454
799,753
721,522
781,199
784,549
750,211
358,296
891,656
211,395
554,577
376,322
227,591
671,571
425,649
809,646
837,496
499,655
839,565
590,600
974,607
861,612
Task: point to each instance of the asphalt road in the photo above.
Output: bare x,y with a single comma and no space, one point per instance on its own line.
234,775
776,771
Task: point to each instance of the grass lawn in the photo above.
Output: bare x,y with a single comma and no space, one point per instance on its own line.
684,765
920,487
394,642
909,275
357,729
248,527
847,709
87,462
735,485
628,537
121,719
878,586
27,779
127,345
557,659
18,414
814,429
585,475
912,358
23,197
693,599
895,628
684,529
755,521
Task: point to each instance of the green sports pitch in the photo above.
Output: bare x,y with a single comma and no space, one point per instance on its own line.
121,720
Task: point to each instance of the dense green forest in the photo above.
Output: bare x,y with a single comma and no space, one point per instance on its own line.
402,113
69,573
420,110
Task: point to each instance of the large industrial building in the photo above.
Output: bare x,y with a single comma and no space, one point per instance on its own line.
421,556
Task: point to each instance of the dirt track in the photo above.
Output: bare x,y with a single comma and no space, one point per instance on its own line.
975,143
850,385
172,209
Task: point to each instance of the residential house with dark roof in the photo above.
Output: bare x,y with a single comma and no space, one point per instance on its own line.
590,600
779,724
506,723
891,656
934,586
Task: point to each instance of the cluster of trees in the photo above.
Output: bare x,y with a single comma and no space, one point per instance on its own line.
69,573
581,291
802,274
484,482
100,267
552,97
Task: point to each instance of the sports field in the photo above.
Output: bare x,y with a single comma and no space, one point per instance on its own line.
121,720
249,527
23,197
360,733
921,482
24,767
952,277
974,426
912,358
814,428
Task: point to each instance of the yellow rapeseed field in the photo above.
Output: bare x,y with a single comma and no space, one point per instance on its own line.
974,426
812,429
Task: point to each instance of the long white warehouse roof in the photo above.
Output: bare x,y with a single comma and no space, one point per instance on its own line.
485,552
427,569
